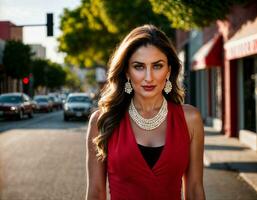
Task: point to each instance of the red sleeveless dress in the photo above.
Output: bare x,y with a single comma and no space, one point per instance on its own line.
130,177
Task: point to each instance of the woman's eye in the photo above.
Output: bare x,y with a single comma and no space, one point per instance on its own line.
138,67
157,66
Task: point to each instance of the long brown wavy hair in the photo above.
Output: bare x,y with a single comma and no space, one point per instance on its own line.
114,102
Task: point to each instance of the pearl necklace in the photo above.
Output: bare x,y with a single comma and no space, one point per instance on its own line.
152,123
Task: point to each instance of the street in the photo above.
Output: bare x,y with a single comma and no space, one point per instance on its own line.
44,158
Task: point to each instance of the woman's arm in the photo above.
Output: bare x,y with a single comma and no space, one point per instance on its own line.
96,169
193,178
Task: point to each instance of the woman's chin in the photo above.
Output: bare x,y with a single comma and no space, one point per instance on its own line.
148,94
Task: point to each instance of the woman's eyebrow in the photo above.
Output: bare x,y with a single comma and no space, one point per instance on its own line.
155,62
158,61
137,62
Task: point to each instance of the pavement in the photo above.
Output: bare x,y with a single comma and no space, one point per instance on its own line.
222,152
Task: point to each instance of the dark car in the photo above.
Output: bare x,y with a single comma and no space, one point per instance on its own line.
44,103
77,105
57,102
15,105
34,105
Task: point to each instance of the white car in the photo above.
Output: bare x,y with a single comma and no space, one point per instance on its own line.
77,105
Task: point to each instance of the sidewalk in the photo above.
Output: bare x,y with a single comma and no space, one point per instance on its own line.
228,153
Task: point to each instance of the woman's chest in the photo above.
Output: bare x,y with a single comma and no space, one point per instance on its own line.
153,138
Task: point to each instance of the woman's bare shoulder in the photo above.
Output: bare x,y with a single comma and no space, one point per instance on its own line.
193,119
191,112
94,116
92,124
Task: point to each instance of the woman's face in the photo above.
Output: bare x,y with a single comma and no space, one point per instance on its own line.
148,70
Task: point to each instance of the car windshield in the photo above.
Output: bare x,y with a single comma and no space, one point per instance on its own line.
10,99
41,100
79,99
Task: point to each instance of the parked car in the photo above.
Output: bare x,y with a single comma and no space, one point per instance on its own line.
15,105
77,105
34,105
44,103
57,102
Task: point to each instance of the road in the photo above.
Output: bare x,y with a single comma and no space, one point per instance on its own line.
44,159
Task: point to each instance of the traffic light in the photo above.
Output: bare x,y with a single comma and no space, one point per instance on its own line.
25,80
49,24
25,84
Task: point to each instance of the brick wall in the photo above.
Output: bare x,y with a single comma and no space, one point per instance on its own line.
8,31
181,39
5,31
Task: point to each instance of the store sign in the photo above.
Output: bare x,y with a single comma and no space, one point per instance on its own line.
241,48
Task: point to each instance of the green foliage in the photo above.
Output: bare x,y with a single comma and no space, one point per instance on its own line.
47,74
90,77
55,76
91,31
17,59
188,14
82,40
39,67
122,16
72,80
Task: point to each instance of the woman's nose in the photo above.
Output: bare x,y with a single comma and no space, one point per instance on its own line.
148,74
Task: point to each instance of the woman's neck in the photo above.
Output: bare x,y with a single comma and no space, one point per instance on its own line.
148,105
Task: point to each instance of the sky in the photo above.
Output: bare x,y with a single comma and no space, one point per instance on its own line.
21,12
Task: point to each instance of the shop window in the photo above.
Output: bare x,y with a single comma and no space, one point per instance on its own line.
249,94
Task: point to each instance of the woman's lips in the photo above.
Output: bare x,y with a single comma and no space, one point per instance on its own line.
148,87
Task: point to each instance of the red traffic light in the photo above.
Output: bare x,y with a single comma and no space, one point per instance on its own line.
25,80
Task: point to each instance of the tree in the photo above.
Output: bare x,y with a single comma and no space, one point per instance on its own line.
91,31
72,80
47,74
55,76
39,68
17,59
188,14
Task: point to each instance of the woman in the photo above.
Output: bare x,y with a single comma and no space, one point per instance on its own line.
142,137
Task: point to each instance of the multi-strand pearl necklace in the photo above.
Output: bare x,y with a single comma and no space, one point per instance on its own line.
152,123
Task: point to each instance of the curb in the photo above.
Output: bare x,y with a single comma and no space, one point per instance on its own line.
249,178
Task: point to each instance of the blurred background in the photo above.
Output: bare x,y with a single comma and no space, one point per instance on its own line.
53,64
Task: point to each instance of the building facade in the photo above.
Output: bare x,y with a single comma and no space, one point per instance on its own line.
240,73
8,31
38,50
220,67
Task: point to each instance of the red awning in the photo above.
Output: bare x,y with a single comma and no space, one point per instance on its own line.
209,55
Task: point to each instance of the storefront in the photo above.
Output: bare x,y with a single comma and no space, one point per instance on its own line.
207,63
241,55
